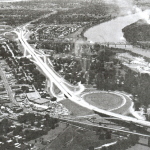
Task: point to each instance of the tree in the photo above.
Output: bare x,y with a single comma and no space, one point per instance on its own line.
53,99
17,130
91,148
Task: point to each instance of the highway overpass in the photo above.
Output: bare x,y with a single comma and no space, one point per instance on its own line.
60,83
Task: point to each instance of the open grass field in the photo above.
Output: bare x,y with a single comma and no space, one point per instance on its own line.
76,139
75,108
104,101
50,136
125,109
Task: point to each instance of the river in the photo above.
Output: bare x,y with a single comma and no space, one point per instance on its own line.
111,32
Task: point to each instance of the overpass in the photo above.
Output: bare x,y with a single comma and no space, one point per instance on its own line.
42,63
96,127
53,78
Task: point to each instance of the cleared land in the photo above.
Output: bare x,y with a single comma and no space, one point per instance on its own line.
76,139
104,101
125,109
75,108
48,138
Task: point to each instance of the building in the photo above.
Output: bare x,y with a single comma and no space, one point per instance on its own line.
85,63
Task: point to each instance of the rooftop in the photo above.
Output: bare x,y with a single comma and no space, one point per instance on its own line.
33,96
41,101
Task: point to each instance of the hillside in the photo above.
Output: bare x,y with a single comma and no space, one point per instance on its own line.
137,33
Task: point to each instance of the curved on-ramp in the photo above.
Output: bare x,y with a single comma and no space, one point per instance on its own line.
70,94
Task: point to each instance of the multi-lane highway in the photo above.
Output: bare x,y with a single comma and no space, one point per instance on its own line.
54,78
45,68
7,86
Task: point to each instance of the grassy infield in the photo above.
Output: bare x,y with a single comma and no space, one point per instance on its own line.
101,100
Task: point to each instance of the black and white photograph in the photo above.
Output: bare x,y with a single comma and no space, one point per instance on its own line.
74,74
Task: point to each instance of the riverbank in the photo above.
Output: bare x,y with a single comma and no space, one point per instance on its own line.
104,32
138,33
111,32
108,18
80,32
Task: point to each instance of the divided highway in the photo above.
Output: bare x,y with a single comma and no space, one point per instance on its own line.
44,67
65,90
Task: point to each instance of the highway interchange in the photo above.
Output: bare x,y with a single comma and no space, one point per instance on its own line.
60,83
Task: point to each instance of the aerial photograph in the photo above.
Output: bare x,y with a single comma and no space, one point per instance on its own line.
74,74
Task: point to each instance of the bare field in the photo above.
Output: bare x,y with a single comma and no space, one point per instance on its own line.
75,108
104,101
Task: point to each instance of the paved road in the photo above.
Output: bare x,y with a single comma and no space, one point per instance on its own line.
65,90
9,49
94,126
7,86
